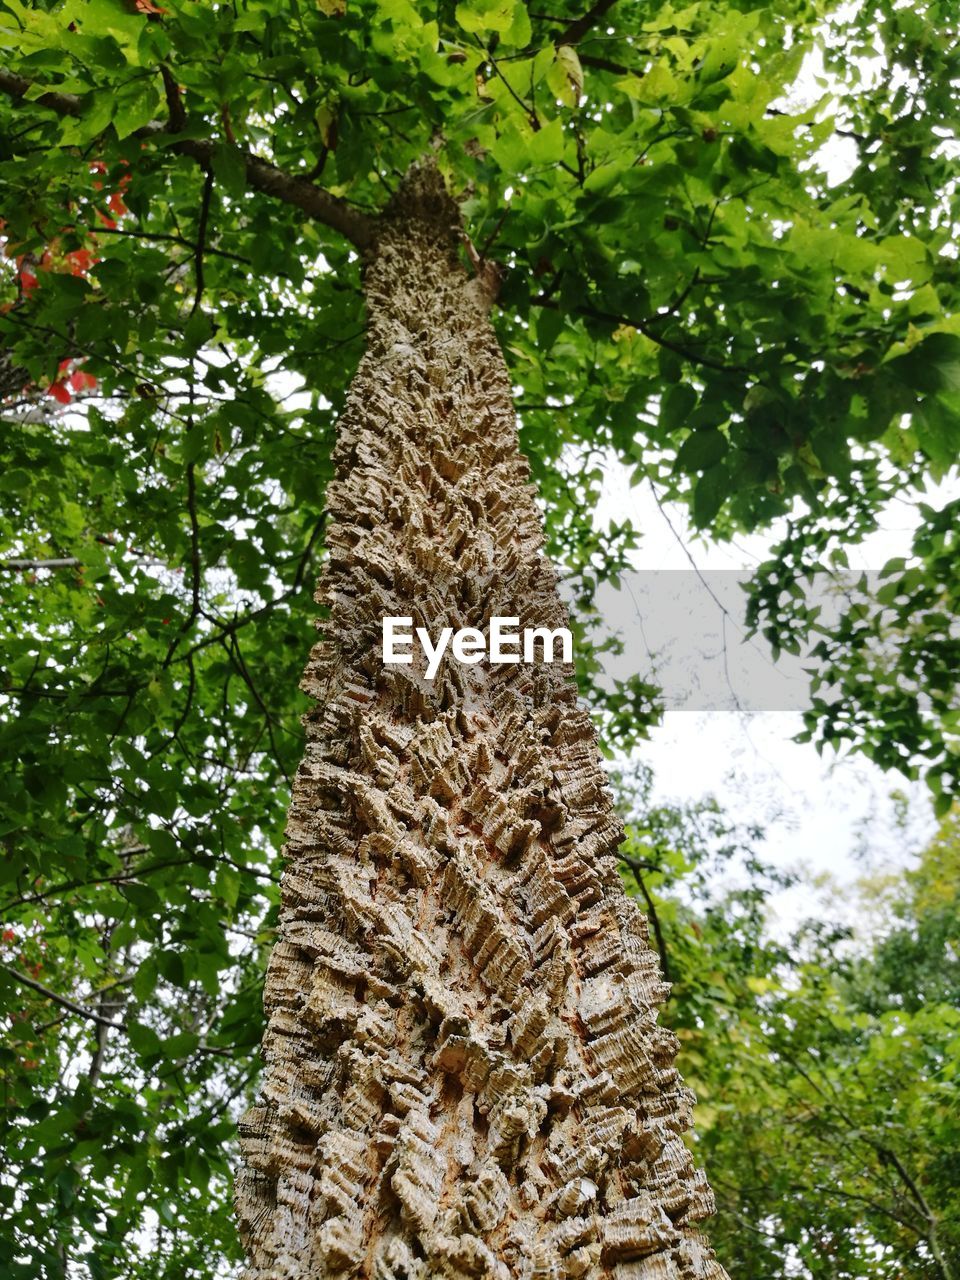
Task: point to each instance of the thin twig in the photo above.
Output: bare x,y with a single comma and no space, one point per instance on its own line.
635,866
60,1000
202,237
65,562
172,239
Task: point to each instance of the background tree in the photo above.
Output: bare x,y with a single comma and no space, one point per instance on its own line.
825,1061
681,286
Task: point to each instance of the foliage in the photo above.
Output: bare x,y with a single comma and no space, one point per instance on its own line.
884,673
826,1065
681,287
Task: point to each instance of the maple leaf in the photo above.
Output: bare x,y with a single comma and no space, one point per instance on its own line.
81,260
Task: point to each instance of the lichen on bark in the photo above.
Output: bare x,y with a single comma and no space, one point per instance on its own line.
465,1076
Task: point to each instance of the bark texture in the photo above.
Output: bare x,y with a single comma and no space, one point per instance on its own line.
464,1072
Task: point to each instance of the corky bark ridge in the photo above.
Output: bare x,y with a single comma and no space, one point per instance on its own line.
465,1076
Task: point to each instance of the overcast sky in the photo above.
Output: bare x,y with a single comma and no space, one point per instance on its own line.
833,817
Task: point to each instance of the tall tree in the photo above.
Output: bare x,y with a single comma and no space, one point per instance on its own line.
679,283
464,1071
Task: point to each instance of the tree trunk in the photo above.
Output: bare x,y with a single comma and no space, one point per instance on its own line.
464,1072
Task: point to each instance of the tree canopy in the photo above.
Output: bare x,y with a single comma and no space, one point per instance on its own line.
682,283
825,1058
185,189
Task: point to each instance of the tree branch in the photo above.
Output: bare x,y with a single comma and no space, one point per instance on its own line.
579,28
65,562
202,239
643,327
636,866
531,111
173,239
178,117
65,104
232,648
357,227
60,1000
605,64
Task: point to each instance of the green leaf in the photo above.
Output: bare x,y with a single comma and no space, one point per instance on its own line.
550,324
709,494
490,15
676,405
720,59
144,1039
180,1046
701,450
112,18
937,427
932,365
230,169
142,896
135,107
658,86
546,145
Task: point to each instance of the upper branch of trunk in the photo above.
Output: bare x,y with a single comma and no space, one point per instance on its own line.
261,175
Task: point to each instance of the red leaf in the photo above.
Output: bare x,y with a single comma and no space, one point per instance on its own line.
59,392
81,260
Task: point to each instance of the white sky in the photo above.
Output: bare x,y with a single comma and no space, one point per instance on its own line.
831,817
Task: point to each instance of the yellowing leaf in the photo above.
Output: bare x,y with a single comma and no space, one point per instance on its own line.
332,8
565,77
326,118
760,986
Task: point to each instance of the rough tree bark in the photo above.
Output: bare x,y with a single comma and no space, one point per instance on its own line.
464,1071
